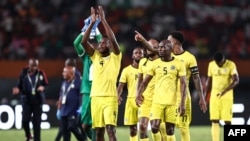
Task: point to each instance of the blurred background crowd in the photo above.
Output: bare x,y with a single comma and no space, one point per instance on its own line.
46,28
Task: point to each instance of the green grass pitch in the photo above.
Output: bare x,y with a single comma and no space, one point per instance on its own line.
197,133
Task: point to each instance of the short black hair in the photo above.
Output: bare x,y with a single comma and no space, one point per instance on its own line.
178,35
218,56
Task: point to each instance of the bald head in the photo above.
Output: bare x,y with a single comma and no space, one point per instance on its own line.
70,62
166,43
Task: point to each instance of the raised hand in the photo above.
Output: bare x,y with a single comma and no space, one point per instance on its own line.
138,36
94,16
101,13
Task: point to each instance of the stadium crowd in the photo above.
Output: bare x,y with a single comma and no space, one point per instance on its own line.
46,29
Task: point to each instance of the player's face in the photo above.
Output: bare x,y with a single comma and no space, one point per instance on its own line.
104,45
165,49
220,63
137,54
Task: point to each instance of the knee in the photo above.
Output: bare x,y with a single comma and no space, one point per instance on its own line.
133,130
143,127
99,132
110,130
170,131
154,129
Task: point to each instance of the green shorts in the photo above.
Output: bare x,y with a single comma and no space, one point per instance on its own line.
86,110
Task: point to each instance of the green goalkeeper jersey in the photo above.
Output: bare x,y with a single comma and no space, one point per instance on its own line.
86,62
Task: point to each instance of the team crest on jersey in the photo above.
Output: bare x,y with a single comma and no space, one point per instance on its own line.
172,67
72,85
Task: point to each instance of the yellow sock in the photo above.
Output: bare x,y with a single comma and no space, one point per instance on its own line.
145,139
134,138
171,137
185,134
215,131
163,131
157,136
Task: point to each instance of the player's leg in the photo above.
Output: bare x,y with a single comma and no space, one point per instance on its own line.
183,122
86,117
99,133
163,131
143,128
155,129
214,110
97,106
156,113
110,112
143,115
133,132
131,118
170,120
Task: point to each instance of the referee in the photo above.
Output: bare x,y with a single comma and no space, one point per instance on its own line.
31,85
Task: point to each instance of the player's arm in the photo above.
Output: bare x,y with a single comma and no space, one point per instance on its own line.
143,85
183,95
89,48
114,47
78,45
235,82
198,86
139,97
144,42
208,85
139,81
120,90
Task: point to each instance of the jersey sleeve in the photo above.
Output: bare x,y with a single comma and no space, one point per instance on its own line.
78,46
209,73
234,69
123,76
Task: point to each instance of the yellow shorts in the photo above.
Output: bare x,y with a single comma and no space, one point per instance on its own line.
131,112
104,111
185,120
144,109
221,109
165,112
